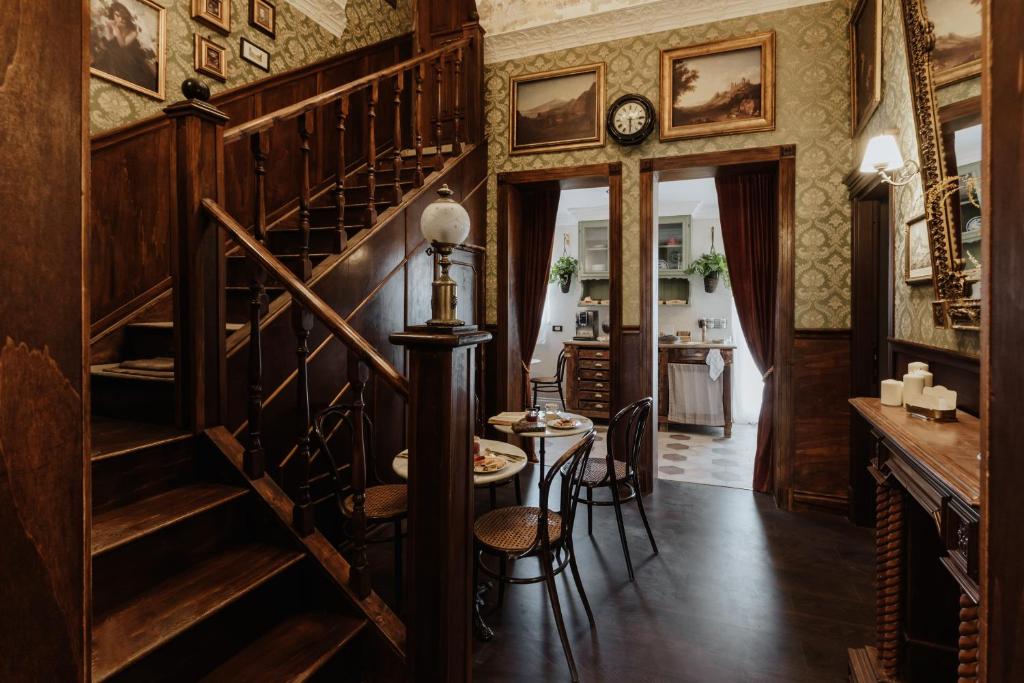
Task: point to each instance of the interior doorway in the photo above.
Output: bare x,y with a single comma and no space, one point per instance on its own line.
708,384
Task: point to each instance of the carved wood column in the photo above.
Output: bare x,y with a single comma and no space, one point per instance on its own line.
441,418
889,550
197,266
967,646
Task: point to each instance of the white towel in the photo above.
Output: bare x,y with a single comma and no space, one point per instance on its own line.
716,364
692,397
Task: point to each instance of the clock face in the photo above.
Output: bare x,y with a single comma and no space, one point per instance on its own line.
630,118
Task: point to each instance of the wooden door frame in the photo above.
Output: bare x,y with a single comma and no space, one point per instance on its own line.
703,166
570,177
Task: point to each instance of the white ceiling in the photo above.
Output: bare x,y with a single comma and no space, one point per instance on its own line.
697,198
502,16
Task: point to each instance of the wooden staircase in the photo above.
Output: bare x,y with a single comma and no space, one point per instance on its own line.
194,578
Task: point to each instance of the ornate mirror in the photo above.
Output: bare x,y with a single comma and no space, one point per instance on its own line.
950,147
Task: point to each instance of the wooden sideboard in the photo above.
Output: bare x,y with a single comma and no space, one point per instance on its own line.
588,378
928,514
694,354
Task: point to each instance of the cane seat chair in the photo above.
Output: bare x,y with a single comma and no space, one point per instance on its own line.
551,385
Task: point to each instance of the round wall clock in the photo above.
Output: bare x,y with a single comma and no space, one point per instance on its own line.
631,119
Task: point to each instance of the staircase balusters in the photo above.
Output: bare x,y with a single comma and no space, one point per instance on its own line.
397,162
305,132
371,155
417,122
339,186
438,125
302,515
254,461
358,375
457,106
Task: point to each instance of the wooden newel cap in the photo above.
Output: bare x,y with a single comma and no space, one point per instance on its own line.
203,110
442,337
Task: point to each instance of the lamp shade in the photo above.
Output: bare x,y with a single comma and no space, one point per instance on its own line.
445,221
882,154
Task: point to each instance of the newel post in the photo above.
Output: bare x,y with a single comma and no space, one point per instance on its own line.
441,418
198,265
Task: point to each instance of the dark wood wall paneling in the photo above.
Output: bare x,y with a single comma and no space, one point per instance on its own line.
44,499
956,371
134,187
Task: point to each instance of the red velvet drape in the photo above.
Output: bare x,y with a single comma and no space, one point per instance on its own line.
536,235
748,208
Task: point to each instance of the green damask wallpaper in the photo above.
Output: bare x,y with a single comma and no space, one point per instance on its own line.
912,304
812,107
300,41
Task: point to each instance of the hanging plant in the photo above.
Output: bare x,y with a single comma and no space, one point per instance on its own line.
563,270
711,267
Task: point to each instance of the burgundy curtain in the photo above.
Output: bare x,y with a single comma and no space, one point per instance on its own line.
537,215
748,208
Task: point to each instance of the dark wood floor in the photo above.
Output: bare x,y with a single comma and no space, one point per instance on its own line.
740,592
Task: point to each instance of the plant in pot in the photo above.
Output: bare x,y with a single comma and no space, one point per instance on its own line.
562,271
711,266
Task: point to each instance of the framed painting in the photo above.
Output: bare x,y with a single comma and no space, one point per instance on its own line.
557,110
918,260
957,52
263,16
215,13
254,54
865,62
210,58
127,43
718,88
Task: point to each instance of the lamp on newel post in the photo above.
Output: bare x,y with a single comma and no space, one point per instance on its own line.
442,406
445,224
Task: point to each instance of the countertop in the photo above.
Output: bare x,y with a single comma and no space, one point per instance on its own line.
679,345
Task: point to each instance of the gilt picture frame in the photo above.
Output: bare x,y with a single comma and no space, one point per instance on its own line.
263,17
917,260
557,110
865,62
210,58
956,50
718,88
213,13
128,45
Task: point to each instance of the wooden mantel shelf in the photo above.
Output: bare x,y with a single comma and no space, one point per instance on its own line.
949,451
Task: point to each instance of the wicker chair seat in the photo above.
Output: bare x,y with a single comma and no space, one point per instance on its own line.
514,529
382,502
597,469
544,380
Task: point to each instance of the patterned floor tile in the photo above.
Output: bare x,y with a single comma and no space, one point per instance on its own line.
710,458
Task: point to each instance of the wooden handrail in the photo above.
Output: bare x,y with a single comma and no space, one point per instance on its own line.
268,121
303,295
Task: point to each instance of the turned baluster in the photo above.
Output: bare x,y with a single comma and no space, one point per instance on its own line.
438,125
417,119
967,643
457,106
302,514
397,160
339,185
371,156
358,375
889,549
254,461
305,132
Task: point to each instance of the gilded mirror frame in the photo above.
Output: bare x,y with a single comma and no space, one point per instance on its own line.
953,306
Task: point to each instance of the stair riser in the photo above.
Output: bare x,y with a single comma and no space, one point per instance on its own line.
238,305
239,271
323,241
133,399
148,342
355,214
123,479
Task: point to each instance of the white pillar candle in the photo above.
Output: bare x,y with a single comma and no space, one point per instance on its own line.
917,366
913,386
929,378
892,392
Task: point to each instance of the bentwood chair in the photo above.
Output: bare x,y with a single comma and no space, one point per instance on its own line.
383,504
517,532
553,384
617,475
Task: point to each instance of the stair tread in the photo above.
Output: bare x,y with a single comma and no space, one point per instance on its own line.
112,437
169,325
122,525
292,651
114,370
135,629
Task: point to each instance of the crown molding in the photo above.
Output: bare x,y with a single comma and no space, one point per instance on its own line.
639,20
328,13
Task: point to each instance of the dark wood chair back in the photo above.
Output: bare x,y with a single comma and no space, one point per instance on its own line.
633,419
339,421
570,466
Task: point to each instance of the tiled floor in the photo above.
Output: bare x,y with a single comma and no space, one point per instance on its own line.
701,455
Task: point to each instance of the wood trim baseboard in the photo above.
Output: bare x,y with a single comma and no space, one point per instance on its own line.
823,333
821,502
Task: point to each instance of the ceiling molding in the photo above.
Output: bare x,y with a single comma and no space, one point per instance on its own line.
601,27
328,13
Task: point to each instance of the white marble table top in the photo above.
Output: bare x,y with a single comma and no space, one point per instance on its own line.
586,424
400,464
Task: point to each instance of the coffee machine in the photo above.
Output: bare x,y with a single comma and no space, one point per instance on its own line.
587,326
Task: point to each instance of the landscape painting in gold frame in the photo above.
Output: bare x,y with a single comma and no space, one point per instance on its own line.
127,42
718,88
557,110
956,54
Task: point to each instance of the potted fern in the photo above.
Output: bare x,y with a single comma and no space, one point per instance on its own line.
711,266
562,271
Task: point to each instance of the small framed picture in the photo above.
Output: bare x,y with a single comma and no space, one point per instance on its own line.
866,61
210,58
127,42
557,110
263,16
215,13
918,262
254,54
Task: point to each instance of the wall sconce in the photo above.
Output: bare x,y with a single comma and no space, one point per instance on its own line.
883,157
446,225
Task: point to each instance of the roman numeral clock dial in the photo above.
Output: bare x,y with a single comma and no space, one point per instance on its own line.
631,119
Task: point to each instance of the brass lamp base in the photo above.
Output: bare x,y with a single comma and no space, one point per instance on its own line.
444,291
